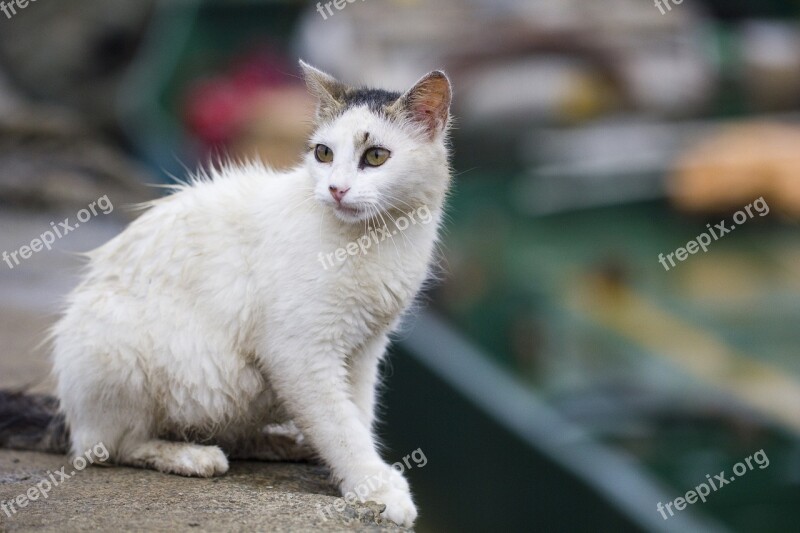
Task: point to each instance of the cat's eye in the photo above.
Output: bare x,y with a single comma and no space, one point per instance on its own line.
323,153
375,157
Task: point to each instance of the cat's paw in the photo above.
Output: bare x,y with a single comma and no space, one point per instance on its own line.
400,508
390,488
182,458
200,461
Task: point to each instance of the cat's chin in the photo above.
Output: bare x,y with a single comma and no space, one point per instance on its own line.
350,215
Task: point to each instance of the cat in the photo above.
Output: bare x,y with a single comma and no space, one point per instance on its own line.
210,317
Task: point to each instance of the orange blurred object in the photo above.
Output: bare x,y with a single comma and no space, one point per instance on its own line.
739,164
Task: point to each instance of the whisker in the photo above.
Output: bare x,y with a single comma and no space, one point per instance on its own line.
403,233
391,197
385,225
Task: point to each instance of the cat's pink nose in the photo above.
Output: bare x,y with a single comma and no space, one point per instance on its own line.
338,193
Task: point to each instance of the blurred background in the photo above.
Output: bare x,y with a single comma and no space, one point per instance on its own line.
558,377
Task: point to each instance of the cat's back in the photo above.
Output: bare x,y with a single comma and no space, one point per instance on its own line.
209,221
178,280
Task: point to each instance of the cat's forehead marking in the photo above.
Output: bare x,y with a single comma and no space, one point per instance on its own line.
362,138
358,128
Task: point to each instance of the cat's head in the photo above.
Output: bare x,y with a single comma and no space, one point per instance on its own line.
376,151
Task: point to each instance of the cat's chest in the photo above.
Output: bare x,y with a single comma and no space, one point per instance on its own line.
372,292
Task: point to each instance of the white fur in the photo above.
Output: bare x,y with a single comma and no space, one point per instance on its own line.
211,316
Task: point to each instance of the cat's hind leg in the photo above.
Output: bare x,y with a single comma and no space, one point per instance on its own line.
129,440
182,458
275,442
98,408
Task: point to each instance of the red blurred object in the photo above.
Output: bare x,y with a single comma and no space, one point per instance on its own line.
215,109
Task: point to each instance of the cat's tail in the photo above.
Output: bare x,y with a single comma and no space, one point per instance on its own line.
32,422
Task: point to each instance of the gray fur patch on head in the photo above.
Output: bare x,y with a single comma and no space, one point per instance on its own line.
334,97
376,100
427,103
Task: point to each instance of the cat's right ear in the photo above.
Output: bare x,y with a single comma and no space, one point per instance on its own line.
328,91
428,102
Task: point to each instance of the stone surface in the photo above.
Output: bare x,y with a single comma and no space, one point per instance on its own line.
251,497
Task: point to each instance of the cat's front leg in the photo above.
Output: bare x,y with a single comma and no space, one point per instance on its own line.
363,374
314,389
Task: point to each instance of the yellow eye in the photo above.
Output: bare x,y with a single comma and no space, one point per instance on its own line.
323,153
375,157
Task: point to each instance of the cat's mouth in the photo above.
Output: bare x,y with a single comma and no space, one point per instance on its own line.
349,213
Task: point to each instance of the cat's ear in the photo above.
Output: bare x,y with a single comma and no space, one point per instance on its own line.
328,91
428,102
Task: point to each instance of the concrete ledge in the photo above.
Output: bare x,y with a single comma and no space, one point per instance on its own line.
251,497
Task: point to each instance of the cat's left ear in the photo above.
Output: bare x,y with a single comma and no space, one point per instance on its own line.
428,102
328,91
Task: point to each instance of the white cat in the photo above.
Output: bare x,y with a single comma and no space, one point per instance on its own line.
210,317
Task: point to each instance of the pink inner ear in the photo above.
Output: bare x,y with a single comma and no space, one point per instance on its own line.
429,103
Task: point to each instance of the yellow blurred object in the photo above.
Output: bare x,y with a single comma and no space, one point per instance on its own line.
739,164
589,96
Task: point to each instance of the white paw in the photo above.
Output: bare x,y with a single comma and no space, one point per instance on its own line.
390,488
400,508
201,461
